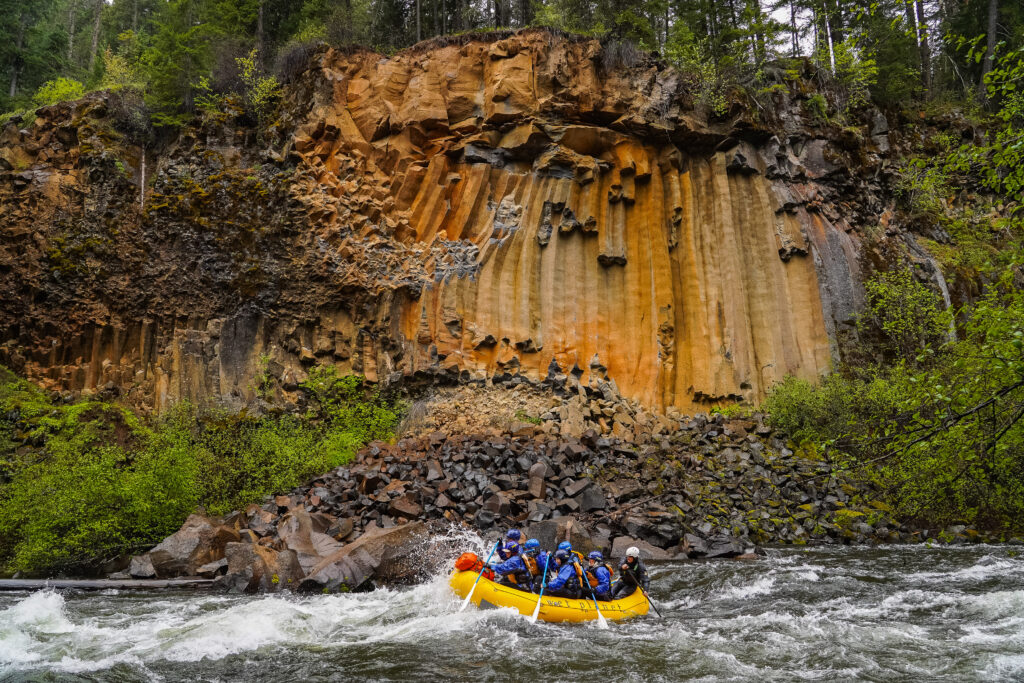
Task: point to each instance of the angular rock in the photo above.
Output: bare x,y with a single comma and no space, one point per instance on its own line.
199,540
623,490
724,546
537,487
591,499
647,551
385,555
141,567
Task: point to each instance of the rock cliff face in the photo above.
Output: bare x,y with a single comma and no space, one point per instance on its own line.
519,207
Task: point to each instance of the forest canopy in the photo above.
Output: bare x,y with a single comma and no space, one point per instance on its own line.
891,51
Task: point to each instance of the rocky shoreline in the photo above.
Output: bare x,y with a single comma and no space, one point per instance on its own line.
681,488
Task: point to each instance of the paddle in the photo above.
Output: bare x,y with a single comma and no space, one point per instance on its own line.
636,583
543,585
601,621
486,562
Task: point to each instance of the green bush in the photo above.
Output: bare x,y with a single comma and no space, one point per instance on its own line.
58,90
941,437
908,314
89,481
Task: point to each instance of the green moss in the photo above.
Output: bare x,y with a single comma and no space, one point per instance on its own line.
844,519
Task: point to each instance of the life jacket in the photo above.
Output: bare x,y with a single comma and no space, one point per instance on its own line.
525,576
580,574
592,574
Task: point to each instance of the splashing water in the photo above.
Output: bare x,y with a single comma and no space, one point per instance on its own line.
900,613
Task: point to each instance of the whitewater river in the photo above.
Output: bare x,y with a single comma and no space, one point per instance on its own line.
891,614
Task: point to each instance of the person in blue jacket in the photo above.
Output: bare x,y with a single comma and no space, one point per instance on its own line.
566,583
599,574
511,546
519,571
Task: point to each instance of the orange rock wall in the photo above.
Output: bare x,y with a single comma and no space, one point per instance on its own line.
591,245
517,207
701,307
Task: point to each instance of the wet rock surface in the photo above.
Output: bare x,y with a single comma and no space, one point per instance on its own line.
704,487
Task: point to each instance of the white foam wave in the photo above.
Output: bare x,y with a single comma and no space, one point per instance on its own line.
761,586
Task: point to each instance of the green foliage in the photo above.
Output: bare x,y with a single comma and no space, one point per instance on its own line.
910,315
925,186
58,90
943,438
119,73
261,92
95,482
818,106
856,72
206,99
523,416
690,55
732,411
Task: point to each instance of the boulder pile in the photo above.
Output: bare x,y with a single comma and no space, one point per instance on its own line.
713,487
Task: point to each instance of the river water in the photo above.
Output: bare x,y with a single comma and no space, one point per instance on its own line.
835,614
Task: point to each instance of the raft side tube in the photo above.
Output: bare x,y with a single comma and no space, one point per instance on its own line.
491,595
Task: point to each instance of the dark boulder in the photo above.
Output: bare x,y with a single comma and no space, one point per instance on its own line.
200,540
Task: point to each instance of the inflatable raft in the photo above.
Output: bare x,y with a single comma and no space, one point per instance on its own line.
491,595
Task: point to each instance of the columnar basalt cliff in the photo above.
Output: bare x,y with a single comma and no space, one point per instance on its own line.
520,206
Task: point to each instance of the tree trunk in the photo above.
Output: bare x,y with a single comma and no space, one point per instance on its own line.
760,49
419,33
835,22
823,18
72,19
259,34
18,62
912,20
188,97
135,15
793,29
990,51
96,34
922,46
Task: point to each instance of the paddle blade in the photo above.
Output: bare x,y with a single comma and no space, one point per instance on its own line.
469,595
536,612
601,621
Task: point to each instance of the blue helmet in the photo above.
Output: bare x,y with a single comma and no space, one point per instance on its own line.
532,546
513,534
511,546
596,556
561,555
566,546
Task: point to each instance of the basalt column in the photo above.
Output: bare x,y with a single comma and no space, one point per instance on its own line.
663,273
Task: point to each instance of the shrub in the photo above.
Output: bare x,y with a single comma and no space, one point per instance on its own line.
96,482
58,90
119,73
944,439
817,105
261,92
909,315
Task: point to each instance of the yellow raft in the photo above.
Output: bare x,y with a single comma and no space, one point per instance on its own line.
491,595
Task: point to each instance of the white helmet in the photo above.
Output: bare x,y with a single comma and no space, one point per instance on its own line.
633,551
